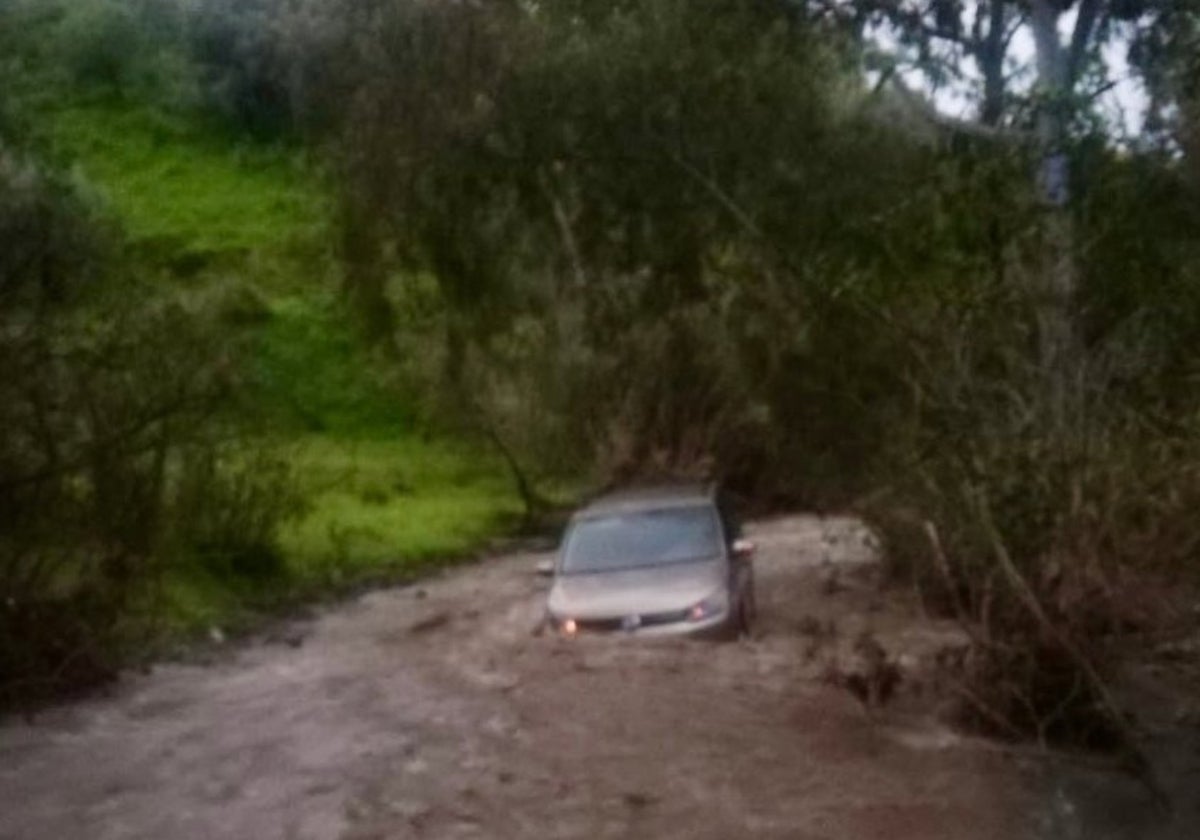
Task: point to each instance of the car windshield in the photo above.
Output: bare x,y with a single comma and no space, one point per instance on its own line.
642,538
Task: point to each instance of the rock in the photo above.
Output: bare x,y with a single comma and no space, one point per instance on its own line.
216,634
870,676
431,622
638,800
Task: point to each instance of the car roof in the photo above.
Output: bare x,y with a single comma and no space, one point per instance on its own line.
654,497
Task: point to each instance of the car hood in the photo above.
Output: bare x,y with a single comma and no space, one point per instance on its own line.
652,589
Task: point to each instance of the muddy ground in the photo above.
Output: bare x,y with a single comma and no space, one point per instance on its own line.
436,711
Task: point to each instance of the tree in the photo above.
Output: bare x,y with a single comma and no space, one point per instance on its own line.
975,48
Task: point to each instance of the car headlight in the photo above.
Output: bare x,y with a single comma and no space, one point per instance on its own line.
713,605
562,624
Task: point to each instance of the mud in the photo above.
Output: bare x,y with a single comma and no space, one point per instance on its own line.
437,711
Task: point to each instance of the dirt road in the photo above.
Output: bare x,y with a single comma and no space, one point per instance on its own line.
434,711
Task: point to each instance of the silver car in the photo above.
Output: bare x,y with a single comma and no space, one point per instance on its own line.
659,561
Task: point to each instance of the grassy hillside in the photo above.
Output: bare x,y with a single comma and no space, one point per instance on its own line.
249,223
187,185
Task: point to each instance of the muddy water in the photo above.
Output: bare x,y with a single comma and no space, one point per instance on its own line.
435,711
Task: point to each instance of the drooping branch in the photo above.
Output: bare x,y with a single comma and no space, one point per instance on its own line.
923,108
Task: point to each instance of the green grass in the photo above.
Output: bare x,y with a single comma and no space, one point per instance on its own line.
194,601
377,510
387,505
183,185
313,374
385,497
385,494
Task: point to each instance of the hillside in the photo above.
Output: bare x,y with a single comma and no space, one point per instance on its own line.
223,218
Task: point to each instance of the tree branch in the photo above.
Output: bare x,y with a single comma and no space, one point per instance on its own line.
921,107
563,222
1085,22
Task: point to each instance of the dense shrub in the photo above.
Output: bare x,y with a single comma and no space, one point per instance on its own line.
111,404
226,507
131,48
248,76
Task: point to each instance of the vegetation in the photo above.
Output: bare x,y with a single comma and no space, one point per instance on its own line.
685,238
192,430
606,241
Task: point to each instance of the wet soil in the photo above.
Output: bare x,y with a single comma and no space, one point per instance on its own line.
438,710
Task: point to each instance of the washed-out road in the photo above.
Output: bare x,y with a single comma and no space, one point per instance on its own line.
436,710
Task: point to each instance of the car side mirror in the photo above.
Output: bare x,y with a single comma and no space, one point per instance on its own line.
545,568
743,549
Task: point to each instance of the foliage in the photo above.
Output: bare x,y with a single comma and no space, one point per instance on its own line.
227,508
114,48
613,241
550,200
245,75
684,239
101,401
191,263
383,507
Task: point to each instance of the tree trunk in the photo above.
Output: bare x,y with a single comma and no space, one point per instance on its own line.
989,57
1061,355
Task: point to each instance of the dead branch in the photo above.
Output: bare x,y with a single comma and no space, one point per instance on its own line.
1099,687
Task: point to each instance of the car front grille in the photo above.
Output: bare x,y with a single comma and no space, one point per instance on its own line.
651,619
614,625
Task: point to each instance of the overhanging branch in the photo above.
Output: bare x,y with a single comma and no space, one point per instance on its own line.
926,110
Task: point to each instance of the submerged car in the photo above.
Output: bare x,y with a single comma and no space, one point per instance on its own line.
658,561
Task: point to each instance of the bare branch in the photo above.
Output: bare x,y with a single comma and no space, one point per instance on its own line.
1014,27
1083,664
714,189
1085,23
565,231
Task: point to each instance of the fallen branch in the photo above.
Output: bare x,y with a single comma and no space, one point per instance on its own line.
1137,761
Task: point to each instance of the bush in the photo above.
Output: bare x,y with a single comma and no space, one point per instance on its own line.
247,74
227,506
113,397
102,44
125,47
1049,538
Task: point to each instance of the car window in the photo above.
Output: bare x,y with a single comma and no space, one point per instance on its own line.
642,538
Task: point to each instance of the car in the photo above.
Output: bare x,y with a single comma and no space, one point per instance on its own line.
666,560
